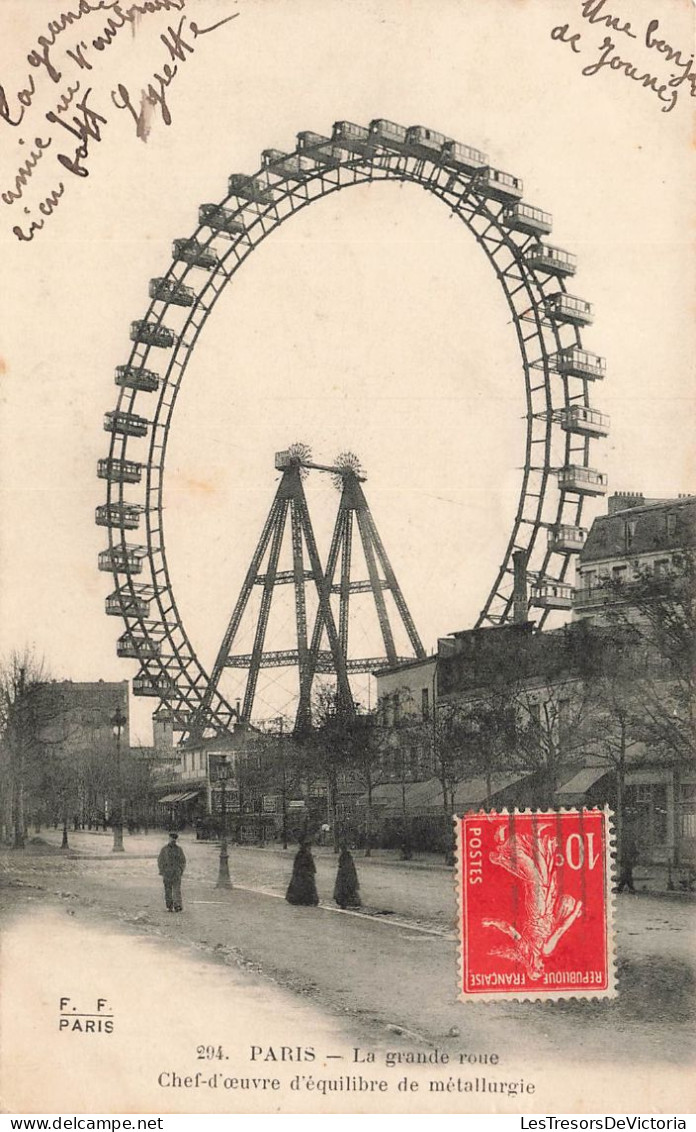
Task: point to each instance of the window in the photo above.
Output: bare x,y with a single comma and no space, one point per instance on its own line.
629,533
661,567
687,810
671,525
425,703
396,699
646,809
619,573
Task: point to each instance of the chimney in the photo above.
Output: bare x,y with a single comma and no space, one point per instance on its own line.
623,500
519,599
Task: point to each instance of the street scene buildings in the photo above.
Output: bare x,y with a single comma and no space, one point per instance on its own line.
596,711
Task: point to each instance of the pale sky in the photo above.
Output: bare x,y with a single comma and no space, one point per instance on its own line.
370,322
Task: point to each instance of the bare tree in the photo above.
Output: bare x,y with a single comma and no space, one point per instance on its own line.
364,753
26,710
553,729
655,614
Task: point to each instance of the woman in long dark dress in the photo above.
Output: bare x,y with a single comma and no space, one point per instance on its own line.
347,889
302,888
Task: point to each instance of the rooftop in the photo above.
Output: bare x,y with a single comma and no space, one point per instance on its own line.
641,527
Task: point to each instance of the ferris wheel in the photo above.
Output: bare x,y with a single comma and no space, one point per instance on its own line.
556,370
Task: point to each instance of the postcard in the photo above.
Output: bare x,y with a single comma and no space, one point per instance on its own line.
311,543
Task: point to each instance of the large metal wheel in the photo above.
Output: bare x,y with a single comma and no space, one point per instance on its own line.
556,370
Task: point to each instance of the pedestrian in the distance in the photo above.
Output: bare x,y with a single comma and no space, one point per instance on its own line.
347,889
628,856
171,863
302,888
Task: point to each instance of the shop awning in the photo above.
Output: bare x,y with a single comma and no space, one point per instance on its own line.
581,782
426,799
386,794
426,796
185,797
472,792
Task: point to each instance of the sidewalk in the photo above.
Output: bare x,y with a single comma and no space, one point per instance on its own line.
649,880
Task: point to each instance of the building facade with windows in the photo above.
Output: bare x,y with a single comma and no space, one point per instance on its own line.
592,713
406,698
637,540
78,730
635,536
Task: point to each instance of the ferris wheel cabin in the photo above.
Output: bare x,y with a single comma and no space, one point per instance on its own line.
135,645
389,134
126,424
456,155
125,559
136,377
422,142
126,603
547,593
146,685
195,254
582,481
250,188
124,515
584,421
288,167
498,185
568,308
119,471
565,538
150,334
554,261
220,220
522,217
169,291
575,362
322,149
352,137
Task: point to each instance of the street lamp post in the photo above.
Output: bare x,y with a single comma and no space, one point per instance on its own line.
284,782
118,722
223,880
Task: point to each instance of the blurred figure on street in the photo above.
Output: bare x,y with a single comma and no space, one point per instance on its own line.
171,863
347,889
628,856
302,888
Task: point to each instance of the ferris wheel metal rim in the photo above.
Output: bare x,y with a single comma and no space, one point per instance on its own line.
382,165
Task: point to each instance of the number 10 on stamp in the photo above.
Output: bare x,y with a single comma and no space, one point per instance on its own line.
535,905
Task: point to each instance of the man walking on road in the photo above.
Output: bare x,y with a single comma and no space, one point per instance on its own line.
171,863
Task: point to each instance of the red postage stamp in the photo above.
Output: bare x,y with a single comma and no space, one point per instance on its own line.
535,902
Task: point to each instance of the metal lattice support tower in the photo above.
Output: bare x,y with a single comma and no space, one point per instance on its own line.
353,505
289,503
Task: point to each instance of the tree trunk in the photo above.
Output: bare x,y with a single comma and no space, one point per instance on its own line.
448,804
368,819
620,788
333,809
18,814
284,798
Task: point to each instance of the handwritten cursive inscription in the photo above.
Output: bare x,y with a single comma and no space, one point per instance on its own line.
180,43
644,63
76,118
